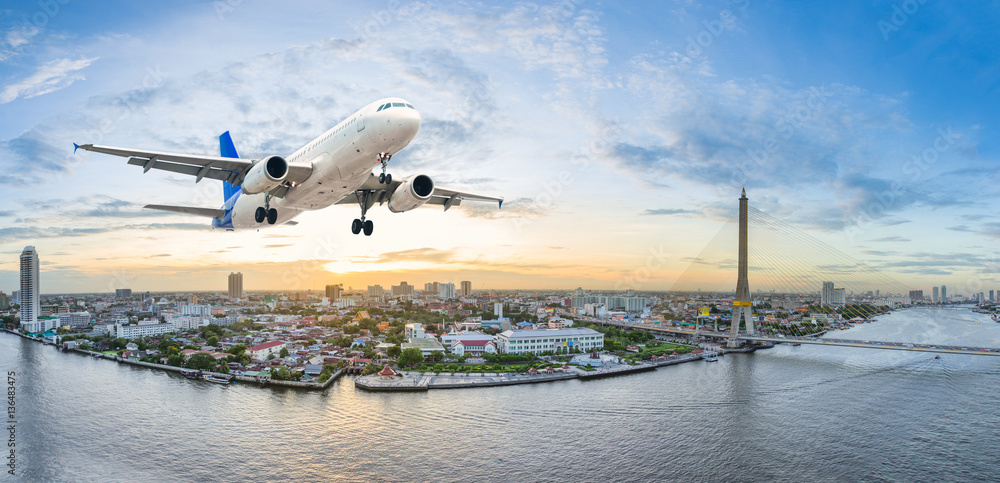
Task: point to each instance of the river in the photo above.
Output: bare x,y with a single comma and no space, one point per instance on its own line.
804,413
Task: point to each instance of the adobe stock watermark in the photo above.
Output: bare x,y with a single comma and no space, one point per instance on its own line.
912,169
977,284
785,128
306,268
32,26
152,79
376,23
901,13
640,276
713,29
554,189
119,279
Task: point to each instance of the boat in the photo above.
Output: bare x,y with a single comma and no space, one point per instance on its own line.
215,379
191,373
710,357
796,344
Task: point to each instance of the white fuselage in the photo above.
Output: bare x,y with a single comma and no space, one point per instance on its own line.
341,158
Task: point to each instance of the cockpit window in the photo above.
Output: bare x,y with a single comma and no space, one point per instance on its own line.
411,107
397,104
380,108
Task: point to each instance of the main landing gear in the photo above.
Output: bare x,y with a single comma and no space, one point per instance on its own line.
384,178
357,226
266,212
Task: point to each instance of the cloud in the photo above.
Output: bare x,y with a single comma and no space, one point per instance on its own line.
28,233
668,211
50,77
893,238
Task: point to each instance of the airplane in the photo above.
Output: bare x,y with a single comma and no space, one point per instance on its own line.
334,168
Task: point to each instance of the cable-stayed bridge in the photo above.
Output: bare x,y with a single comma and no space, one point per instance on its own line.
796,278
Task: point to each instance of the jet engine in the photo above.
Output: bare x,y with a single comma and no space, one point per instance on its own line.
265,175
411,193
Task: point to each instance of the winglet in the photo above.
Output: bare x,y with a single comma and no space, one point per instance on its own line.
500,207
75,147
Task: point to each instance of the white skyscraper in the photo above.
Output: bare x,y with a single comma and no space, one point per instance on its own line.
29,295
446,290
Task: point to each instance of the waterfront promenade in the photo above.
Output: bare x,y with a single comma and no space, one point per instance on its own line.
416,381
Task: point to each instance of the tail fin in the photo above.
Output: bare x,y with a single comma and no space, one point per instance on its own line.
228,150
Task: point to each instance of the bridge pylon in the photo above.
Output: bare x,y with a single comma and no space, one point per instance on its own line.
742,303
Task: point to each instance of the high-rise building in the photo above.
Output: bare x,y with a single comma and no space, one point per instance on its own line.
29,293
936,295
376,291
236,285
432,288
466,288
991,296
4,301
916,296
446,290
826,295
123,293
403,289
944,294
333,292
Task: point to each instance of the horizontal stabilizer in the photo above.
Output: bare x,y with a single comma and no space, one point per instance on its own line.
190,210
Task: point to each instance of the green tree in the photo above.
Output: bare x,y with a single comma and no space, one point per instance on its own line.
394,351
201,360
284,352
213,341
280,374
410,357
437,356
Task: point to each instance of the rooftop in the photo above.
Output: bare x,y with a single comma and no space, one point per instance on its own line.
528,334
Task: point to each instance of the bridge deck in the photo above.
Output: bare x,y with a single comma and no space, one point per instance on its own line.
865,344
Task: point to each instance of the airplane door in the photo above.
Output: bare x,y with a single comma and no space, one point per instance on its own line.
361,122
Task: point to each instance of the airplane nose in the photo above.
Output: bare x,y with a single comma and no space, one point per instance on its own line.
410,123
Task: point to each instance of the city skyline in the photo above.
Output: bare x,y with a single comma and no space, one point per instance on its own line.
664,110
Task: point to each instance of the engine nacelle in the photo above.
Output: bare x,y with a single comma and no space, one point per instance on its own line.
413,192
265,175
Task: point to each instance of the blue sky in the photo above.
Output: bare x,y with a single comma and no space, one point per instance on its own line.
619,133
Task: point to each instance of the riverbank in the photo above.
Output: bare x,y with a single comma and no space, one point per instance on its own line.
415,381
163,367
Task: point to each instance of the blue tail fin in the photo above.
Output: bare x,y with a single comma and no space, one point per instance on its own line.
228,150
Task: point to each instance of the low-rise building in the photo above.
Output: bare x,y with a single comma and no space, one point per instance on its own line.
142,330
427,345
261,351
473,347
538,341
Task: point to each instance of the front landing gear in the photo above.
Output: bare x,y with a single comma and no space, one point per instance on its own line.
359,225
266,212
384,178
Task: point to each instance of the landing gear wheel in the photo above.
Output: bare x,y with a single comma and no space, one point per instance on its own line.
272,216
369,226
388,179
260,214
356,226
381,178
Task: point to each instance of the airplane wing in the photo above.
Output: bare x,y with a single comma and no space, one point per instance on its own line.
441,196
232,170
190,210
